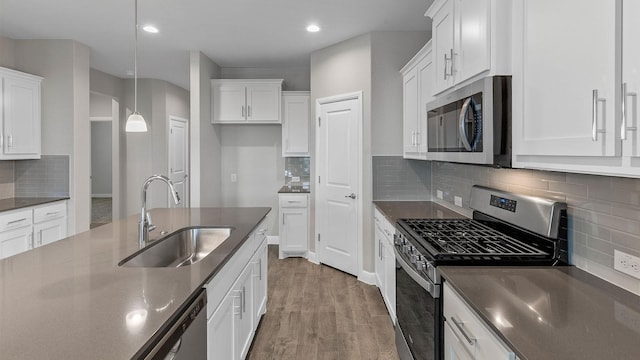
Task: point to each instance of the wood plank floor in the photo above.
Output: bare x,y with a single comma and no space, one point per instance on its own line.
317,312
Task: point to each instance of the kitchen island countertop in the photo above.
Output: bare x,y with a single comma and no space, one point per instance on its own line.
551,312
71,300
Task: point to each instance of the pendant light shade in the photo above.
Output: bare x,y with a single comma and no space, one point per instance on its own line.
135,121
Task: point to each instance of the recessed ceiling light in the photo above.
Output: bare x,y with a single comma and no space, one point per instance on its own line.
313,28
150,29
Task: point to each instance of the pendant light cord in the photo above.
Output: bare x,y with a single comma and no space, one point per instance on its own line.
135,63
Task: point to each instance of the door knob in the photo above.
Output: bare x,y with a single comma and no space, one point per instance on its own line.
353,196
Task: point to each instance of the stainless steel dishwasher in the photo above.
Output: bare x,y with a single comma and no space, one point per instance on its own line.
186,339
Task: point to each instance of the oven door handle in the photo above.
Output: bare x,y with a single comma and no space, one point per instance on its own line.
431,288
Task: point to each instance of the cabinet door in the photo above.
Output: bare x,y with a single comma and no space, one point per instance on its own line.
243,324
15,241
442,28
389,264
379,260
229,103
471,38
21,127
295,230
425,80
453,347
631,76
260,282
49,231
568,79
263,103
295,125
220,329
410,110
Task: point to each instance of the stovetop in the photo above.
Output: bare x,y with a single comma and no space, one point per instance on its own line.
466,237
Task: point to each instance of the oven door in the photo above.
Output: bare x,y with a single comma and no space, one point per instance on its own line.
419,313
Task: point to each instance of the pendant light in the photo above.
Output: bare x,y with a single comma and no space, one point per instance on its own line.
135,122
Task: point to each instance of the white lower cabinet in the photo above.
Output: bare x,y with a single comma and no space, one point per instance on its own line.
465,335
294,225
31,227
385,263
236,300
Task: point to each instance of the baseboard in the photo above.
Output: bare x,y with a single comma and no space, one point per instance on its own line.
367,277
101,195
311,256
273,240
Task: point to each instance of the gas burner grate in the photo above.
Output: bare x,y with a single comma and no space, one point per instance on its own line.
467,237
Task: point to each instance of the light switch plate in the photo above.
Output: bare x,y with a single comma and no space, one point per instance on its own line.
457,200
439,194
626,263
295,178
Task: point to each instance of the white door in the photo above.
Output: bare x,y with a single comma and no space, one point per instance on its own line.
22,116
339,204
179,160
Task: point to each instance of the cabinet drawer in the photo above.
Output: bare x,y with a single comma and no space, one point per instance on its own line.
293,201
474,335
385,226
50,212
16,219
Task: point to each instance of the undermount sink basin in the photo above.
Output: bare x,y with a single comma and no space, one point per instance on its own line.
182,248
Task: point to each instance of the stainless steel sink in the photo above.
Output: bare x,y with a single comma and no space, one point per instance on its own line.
182,248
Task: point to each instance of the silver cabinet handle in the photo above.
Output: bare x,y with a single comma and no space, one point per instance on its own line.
445,66
451,57
16,221
459,324
244,299
623,126
352,196
594,116
417,138
10,141
248,110
31,244
462,130
260,268
242,110
239,297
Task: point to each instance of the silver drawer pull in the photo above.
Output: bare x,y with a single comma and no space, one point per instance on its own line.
459,324
16,221
52,213
294,202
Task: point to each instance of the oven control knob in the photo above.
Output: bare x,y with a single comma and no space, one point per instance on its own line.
421,265
397,239
415,258
407,249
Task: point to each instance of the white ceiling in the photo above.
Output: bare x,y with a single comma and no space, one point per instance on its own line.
233,33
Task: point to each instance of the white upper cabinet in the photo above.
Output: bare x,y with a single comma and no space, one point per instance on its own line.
417,82
20,115
570,71
295,123
470,38
246,101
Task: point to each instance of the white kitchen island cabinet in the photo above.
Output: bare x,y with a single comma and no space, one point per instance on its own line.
465,334
20,115
246,101
570,114
295,123
294,225
470,39
236,300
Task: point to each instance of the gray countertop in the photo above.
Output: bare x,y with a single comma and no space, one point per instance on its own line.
293,190
22,202
552,312
71,300
394,210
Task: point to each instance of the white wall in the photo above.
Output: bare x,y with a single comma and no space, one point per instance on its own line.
65,112
205,145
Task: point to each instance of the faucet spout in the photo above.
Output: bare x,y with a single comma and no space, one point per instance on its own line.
145,224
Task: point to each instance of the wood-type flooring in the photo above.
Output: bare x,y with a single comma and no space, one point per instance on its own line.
317,312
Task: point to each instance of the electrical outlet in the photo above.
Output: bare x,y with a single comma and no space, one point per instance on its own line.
439,194
626,263
457,200
295,178
234,178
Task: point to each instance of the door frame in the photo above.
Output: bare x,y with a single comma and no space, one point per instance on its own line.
359,200
185,199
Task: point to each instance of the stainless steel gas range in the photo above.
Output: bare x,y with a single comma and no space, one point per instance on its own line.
506,229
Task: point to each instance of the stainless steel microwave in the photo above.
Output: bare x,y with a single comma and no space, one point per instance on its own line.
472,124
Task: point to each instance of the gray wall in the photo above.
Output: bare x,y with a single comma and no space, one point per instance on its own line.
205,145
295,78
101,159
390,51
65,112
7,51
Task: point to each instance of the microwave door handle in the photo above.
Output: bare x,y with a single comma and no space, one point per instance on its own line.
462,130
